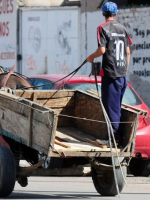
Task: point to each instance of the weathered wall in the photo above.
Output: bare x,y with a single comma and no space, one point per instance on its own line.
89,24
41,3
90,6
8,29
50,40
136,22
48,3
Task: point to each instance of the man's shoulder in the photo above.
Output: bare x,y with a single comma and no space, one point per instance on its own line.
114,22
103,25
118,24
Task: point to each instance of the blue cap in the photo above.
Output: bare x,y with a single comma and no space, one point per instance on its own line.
111,7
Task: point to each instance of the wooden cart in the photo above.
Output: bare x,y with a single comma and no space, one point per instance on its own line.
63,126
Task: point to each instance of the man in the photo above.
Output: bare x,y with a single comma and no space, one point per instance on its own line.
113,45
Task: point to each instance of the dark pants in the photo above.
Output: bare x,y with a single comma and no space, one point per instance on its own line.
112,94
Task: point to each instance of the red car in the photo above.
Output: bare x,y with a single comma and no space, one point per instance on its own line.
140,163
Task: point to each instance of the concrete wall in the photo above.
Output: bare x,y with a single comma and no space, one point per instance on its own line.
48,3
136,22
50,40
89,23
90,6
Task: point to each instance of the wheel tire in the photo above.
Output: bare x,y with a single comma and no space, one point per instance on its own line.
106,185
7,172
139,167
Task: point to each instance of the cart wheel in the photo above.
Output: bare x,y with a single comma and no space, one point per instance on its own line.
104,181
7,172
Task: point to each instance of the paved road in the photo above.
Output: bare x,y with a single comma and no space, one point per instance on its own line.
75,188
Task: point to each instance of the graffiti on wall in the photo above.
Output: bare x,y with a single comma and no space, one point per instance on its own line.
8,51
136,22
34,38
63,39
62,68
30,63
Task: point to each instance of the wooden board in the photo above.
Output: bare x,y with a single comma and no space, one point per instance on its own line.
40,126
61,133
128,130
83,147
87,154
46,94
16,122
73,134
76,139
89,107
56,103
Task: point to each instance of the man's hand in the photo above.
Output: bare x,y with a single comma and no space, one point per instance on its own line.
90,58
99,52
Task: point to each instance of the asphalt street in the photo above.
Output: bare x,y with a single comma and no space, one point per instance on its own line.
75,188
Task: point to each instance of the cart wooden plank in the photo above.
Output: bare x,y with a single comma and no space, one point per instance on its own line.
37,113
74,133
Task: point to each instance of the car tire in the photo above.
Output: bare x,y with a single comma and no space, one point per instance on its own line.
139,167
105,184
7,171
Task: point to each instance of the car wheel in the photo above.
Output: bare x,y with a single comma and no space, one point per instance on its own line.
139,167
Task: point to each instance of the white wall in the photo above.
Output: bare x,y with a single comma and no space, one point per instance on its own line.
8,31
63,41
50,41
89,23
34,42
136,22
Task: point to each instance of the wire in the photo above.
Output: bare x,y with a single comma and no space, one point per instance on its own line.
72,73
93,120
110,132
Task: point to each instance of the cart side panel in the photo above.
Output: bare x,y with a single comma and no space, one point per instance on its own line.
26,122
60,101
128,130
89,107
44,94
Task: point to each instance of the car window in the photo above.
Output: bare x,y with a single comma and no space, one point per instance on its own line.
82,86
129,97
41,84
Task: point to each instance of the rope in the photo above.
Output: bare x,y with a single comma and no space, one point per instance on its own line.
93,120
72,73
110,132
86,119
107,121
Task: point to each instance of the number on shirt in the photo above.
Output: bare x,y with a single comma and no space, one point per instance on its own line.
119,49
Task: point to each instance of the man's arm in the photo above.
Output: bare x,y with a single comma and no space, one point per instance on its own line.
128,57
99,52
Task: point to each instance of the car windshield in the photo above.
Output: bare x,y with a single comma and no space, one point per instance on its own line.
129,97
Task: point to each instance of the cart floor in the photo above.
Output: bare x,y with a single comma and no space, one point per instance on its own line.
75,140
